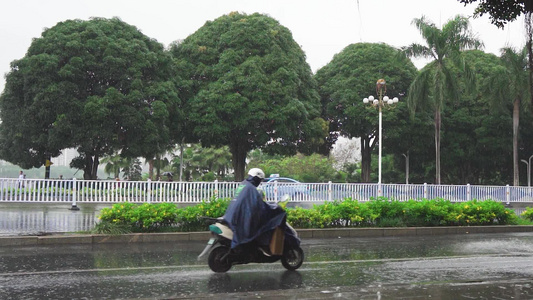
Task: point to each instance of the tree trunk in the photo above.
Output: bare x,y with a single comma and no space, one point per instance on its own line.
181,159
87,171
437,145
366,159
158,167
90,170
516,122
151,169
528,20
238,155
96,162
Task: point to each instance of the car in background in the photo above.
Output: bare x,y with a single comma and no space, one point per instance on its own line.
285,186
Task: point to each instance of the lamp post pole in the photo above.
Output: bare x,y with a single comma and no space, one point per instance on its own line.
380,139
381,90
406,167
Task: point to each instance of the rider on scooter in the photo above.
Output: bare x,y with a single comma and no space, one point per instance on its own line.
249,217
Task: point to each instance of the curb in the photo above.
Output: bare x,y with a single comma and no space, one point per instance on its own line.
176,237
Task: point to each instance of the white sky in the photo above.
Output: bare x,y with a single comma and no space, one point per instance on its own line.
322,28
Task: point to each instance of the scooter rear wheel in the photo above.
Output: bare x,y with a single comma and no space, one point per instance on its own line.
292,258
215,261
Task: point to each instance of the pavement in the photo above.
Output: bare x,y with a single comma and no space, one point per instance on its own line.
68,238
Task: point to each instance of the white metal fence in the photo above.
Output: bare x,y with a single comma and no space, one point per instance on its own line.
97,191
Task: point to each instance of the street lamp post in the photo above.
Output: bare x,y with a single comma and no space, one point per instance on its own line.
381,90
406,166
528,163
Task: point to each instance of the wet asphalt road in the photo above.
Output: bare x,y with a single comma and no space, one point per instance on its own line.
480,266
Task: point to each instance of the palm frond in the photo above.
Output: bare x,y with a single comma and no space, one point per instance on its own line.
417,50
419,91
516,63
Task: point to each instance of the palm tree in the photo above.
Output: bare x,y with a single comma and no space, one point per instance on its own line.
158,161
436,84
114,164
511,83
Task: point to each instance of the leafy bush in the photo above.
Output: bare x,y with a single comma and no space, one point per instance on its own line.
381,212
190,218
486,212
145,217
528,213
111,228
158,217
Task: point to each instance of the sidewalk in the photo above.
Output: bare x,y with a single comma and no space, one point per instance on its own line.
177,237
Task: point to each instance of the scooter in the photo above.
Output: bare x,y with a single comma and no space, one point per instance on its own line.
221,257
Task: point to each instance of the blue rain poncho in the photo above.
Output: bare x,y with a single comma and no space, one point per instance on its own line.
250,218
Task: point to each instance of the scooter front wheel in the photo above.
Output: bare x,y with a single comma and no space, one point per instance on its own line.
292,258
218,260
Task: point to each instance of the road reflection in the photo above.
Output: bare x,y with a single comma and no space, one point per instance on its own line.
253,281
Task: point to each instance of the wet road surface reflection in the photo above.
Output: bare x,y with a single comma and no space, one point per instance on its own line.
442,267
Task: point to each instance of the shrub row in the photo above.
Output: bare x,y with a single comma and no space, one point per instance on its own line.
131,217
381,212
528,214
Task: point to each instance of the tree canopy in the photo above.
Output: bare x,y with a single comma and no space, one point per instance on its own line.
100,86
501,12
350,77
436,84
250,87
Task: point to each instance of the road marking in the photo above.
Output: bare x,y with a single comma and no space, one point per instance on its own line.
204,267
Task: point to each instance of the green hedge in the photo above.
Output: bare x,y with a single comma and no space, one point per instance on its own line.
528,213
157,217
381,212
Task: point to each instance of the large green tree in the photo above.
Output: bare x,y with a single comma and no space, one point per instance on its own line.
436,84
472,133
502,12
250,87
508,87
100,86
350,77
409,139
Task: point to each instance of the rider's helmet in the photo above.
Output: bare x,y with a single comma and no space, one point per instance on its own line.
256,172
256,175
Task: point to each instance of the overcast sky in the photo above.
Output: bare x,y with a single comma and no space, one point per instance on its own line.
322,28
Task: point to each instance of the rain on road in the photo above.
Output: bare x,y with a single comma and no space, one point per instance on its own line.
473,266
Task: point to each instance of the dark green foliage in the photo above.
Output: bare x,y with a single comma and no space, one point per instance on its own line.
350,77
250,87
383,212
436,85
528,213
145,218
133,171
501,12
99,86
189,218
203,164
159,217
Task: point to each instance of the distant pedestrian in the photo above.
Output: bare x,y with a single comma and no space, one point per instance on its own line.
22,176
